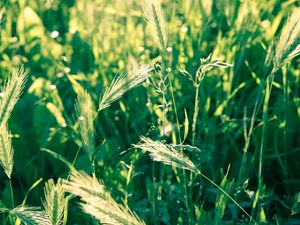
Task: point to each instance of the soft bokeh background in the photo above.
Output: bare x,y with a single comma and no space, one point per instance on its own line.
66,45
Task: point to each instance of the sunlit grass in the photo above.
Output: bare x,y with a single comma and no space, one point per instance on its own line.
122,116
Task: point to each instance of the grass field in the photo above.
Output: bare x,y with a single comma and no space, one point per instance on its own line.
149,112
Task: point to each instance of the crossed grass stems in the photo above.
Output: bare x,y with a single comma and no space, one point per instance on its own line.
287,49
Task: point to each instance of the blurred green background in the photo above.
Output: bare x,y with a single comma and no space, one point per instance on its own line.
68,45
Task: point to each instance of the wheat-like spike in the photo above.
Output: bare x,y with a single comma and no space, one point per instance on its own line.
30,215
96,201
110,212
11,93
124,82
6,151
82,185
166,154
85,112
55,201
156,21
288,45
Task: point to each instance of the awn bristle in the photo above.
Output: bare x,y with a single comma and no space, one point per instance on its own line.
124,82
155,18
11,93
55,201
96,201
6,151
288,45
30,215
85,112
166,154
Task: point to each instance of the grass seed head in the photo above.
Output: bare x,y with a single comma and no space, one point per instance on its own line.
166,154
11,93
288,45
85,112
6,151
123,83
96,201
31,215
156,20
55,201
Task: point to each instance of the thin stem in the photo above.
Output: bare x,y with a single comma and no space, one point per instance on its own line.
268,89
164,115
285,99
181,149
180,141
173,98
73,162
11,194
93,167
179,134
247,140
153,193
227,195
196,111
265,118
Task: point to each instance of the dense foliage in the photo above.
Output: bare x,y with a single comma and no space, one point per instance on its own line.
149,112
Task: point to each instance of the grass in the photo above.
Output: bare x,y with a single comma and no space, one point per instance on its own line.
149,112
